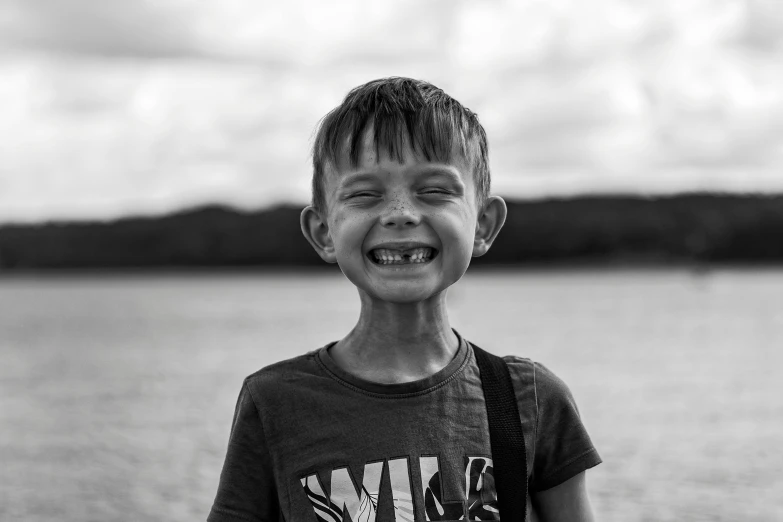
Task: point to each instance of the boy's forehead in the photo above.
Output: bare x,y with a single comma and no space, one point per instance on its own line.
372,160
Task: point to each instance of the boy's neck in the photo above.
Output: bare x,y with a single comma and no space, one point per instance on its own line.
395,343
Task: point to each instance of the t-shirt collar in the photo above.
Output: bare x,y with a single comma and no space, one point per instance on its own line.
407,388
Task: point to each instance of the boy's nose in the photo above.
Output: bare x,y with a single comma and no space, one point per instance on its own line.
399,214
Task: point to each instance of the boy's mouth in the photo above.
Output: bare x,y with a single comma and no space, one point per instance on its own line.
387,256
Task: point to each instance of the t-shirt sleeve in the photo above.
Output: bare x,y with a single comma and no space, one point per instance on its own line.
562,448
246,492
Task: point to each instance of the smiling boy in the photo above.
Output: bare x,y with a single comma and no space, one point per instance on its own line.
389,422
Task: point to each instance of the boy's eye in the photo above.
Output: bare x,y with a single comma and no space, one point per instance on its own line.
361,195
435,191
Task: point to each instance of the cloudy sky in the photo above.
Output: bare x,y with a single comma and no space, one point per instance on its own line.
111,107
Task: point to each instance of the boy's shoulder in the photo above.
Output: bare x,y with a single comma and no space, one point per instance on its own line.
550,392
286,371
528,367
546,386
517,362
522,369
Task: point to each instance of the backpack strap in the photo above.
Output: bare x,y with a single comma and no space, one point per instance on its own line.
509,459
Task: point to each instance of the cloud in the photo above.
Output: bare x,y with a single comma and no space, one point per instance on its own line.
258,32
113,107
761,30
612,87
98,28
158,136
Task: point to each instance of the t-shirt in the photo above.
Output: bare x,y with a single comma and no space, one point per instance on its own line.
311,442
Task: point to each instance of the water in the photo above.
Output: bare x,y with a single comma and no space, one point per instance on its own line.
116,393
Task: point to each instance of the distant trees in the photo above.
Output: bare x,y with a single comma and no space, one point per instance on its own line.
695,227
692,227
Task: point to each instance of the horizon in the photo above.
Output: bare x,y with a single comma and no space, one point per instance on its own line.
239,209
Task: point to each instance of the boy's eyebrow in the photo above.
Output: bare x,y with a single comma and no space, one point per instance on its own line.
433,170
441,171
357,178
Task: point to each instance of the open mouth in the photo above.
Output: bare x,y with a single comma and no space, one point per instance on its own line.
386,256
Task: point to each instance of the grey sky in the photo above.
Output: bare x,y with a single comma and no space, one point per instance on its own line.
113,107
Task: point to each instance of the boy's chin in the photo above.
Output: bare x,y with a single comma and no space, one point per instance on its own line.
404,293
397,291
408,292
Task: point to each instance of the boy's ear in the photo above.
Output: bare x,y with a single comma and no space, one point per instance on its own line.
316,231
488,225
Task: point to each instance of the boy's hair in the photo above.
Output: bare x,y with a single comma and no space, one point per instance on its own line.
401,112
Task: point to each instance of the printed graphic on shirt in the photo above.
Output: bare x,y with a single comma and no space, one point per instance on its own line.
401,490
348,502
480,489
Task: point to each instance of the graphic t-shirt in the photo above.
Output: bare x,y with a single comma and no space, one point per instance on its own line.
311,442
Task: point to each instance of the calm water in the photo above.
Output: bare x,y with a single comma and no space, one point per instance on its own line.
116,393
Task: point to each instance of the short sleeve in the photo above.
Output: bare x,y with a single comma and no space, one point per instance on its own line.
246,492
563,448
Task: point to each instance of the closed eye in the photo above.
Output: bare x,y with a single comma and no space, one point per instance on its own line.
436,191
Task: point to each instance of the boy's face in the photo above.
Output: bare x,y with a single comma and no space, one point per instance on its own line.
418,215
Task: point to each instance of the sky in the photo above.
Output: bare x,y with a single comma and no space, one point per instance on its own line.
111,108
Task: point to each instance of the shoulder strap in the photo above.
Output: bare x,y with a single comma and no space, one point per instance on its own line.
506,439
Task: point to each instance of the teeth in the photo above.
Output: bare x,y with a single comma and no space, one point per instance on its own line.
385,256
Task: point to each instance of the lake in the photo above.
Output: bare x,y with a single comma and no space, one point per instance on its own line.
117,392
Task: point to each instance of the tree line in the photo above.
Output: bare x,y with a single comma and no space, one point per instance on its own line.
701,228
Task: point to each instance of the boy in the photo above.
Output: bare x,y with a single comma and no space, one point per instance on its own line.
389,423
